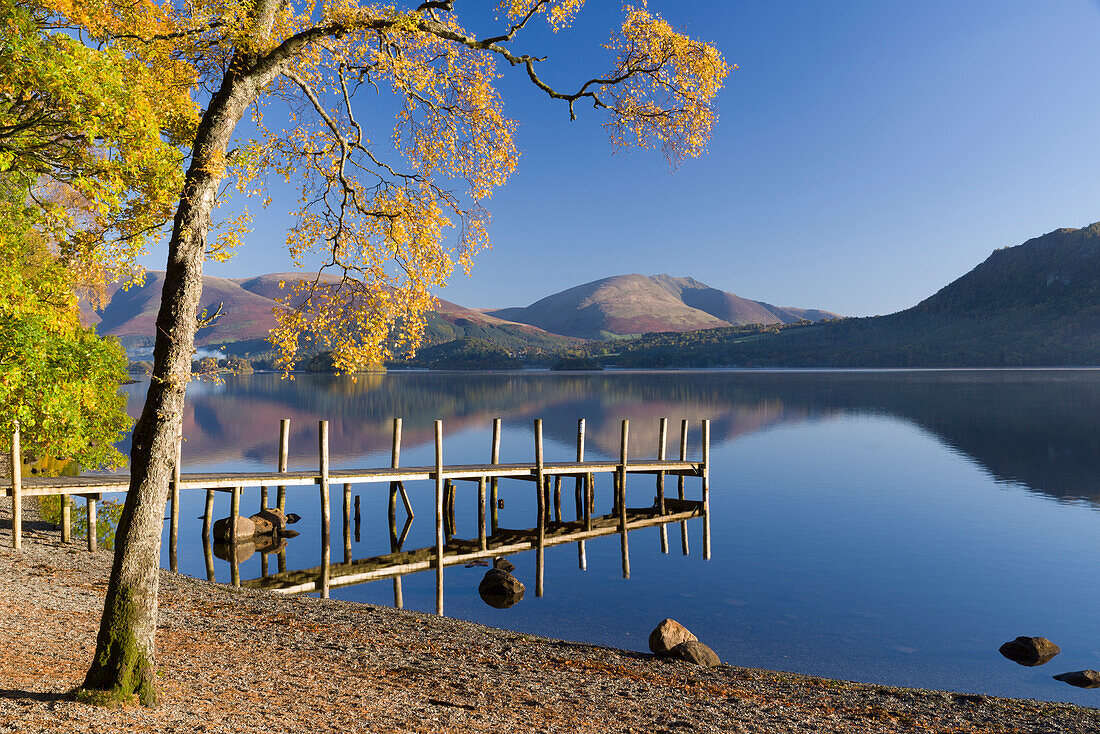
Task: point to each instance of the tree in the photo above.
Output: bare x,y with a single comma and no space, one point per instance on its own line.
57,378
88,171
376,207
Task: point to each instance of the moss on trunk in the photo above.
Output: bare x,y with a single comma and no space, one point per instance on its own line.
122,670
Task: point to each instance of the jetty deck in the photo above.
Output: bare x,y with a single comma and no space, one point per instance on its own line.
546,476
227,481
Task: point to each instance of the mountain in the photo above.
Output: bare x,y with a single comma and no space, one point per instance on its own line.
246,306
1035,304
638,304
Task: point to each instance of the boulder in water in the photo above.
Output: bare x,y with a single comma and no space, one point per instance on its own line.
1030,651
223,528
269,520
1081,678
500,589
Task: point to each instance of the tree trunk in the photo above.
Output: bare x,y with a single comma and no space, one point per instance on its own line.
123,665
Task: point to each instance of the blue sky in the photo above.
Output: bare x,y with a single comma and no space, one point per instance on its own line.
867,154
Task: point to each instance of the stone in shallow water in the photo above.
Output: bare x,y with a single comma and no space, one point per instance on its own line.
269,520
1081,678
504,564
1030,651
223,528
501,589
667,635
695,652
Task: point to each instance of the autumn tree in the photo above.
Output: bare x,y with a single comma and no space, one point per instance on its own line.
376,202
88,173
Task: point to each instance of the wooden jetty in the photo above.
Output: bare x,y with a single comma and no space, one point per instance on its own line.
546,476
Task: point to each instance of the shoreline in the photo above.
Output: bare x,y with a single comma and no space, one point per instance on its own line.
239,660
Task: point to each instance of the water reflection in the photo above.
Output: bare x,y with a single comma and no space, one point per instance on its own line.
1033,428
497,543
851,540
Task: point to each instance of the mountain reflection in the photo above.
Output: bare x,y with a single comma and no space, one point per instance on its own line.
1034,428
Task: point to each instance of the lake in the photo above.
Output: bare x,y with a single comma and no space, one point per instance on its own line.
884,526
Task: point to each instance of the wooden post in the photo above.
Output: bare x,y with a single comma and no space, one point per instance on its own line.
580,502
583,514
16,490
322,446
482,535
450,506
326,570
392,514
234,514
494,459
680,484
92,540
557,498
347,523
174,527
398,597
208,555
284,451
263,565
280,559
662,436
439,517
66,518
623,451
706,489
584,483
540,551
395,461
263,497
357,517
234,567
448,522
208,514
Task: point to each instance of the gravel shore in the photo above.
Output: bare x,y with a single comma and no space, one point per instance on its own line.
242,661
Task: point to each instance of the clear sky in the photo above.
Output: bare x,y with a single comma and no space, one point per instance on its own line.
867,154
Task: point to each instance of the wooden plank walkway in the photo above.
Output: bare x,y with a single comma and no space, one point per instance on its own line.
113,483
546,476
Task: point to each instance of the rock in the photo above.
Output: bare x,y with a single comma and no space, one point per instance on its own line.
264,525
667,635
289,534
503,564
1081,678
269,520
500,589
245,528
1030,651
238,552
695,652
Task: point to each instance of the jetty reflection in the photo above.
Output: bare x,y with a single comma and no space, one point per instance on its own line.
462,551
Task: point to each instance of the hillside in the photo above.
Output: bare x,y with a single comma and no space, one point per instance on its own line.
638,304
246,316
1036,304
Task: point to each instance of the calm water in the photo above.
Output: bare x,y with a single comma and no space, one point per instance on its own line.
893,527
